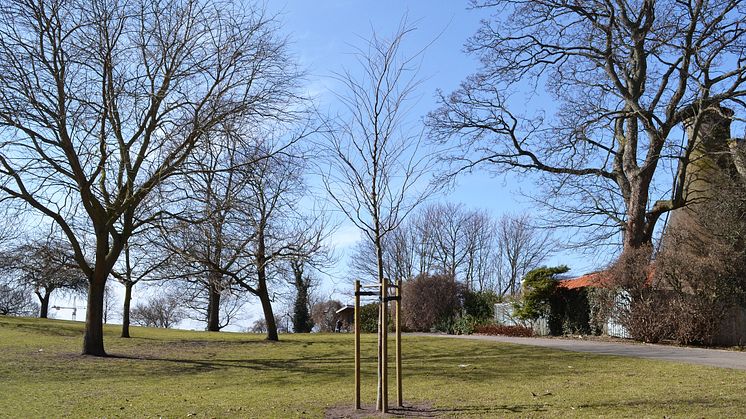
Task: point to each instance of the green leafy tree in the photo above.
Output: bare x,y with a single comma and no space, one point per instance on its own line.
539,286
480,305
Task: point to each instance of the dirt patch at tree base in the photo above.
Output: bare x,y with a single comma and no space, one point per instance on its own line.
424,410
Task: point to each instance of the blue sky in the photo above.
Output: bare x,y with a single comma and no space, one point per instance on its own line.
322,37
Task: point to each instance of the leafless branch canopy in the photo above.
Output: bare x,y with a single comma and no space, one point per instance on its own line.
624,77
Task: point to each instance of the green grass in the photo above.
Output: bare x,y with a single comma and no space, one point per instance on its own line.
173,373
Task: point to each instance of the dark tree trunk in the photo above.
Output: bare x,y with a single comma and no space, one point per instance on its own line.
93,339
44,304
269,316
263,292
213,308
126,309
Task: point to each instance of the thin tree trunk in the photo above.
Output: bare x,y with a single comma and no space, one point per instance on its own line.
126,309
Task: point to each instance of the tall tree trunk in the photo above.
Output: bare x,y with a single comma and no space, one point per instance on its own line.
636,228
126,309
213,307
93,338
263,292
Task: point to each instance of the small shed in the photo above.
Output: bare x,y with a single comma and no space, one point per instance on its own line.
345,318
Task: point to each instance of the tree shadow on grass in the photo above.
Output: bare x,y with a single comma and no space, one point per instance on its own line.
326,368
336,361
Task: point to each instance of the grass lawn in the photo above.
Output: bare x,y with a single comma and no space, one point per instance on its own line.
173,373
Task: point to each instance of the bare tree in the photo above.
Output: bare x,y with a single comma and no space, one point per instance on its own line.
238,219
110,304
44,266
625,76
160,311
324,315
101,101
16,300
438,239
481,252
376,166
141,262
449,236
310,257
521,248
207,233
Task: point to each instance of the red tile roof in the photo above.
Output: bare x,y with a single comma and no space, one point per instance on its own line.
598,279
594,279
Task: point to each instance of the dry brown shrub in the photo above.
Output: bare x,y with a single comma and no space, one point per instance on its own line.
429,300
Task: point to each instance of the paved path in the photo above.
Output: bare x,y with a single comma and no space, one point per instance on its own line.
713,357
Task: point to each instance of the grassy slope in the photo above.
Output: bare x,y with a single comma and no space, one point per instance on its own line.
178,374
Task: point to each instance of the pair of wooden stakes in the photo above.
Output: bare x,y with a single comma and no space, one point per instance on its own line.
382,291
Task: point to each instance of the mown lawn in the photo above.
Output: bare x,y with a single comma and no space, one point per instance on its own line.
170,373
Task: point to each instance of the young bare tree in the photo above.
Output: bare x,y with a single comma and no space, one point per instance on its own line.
625,77
101,100
376,167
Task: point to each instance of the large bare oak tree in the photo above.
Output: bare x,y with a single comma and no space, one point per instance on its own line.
623,78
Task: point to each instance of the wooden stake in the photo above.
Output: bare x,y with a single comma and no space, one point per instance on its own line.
379,373
399,398
357,345
385,350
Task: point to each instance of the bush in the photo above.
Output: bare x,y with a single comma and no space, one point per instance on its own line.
570,312
369,318
464,325
494,329
480,304
635,304
430,302
539,286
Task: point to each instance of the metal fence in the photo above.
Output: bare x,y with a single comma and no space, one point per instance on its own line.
504,316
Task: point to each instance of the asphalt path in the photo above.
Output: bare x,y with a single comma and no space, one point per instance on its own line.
713,357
